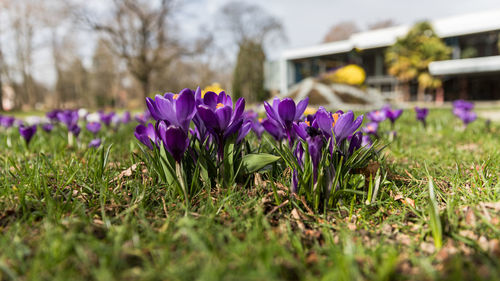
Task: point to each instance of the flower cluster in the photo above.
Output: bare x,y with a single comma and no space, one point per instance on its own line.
72,121
323,149
464,110
378,116
198,138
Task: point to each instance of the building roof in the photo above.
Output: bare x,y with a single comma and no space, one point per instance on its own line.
445,27
465,66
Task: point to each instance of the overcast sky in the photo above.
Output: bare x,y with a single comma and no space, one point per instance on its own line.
307,21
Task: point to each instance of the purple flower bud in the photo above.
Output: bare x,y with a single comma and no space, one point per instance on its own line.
27,132
93,127
95,143
48,127
146,135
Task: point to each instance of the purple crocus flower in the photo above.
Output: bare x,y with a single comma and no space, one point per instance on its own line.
256,125
462,104
48,127
219,117
146,134
243,132
371,128
52,115
68,117
143,118
466,116
285,113
27,132
392,114
175,140
377,116
75,130
422,114
274,129
93,127
315,145
95,143
106,118
355,142
7,121
341,126
126,117
366,141
295,181
175,109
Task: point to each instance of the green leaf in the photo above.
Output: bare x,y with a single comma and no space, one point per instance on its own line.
435,220
254,162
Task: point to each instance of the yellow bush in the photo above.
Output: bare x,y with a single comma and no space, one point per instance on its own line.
215,87
350,74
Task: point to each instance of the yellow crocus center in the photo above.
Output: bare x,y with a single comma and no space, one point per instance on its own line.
176,96
335,118
260,120
370,127
219,105
308,123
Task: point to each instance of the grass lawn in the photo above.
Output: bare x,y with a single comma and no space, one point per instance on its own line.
65,217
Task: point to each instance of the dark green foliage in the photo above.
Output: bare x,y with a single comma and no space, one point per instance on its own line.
248,79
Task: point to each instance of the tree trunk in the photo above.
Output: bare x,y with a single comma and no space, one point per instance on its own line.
439,96
405,90
145,83
421,93
1,93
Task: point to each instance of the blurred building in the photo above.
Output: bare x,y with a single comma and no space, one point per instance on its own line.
472,73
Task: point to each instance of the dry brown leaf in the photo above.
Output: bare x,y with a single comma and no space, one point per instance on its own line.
312,258
127,173
405,200
470,217
427,247
298,219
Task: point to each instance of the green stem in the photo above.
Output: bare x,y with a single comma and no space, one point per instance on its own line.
178,172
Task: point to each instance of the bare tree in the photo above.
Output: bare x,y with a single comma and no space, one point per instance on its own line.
381,24
104,75
341,31
248,22
251,28
2,68
140,33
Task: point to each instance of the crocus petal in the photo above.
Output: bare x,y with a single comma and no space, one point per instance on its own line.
184,108
301,107
175,141
165,109
270,111
210,100
223,116
208,117
233,128
324,121
245,129
300,131
355,142
197,94
286,110
238,109
273,129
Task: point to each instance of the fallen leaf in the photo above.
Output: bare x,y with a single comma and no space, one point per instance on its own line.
127,173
